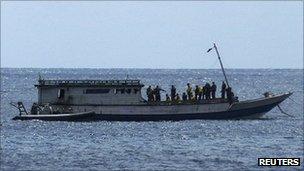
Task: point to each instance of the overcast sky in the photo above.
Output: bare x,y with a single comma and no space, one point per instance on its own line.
146,34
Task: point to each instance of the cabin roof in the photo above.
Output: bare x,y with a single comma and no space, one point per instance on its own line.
89,83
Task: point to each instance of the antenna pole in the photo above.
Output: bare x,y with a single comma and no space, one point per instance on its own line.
218,55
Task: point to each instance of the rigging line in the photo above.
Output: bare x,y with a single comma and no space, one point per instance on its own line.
294,101
284,112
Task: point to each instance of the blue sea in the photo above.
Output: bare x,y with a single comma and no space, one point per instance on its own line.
182,145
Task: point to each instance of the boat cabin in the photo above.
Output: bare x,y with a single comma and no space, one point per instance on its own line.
89,92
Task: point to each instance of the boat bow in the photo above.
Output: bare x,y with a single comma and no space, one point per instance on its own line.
262,105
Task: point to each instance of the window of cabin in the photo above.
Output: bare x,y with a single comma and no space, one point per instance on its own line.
97,91
60,94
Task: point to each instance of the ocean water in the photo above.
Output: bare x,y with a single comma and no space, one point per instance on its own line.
182,145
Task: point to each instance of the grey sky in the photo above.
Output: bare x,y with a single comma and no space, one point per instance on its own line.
151,34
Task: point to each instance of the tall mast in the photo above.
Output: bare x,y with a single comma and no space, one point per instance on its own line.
218,55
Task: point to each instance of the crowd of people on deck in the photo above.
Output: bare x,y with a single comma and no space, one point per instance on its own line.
206,92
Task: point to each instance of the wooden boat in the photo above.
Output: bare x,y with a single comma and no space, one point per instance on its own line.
248,109
121,100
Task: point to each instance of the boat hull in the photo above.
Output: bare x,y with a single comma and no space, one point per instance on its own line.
255,112
238,110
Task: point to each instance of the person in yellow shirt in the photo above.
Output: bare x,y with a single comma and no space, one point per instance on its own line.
200,92
177,98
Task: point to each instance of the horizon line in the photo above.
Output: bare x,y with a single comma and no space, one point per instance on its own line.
129,68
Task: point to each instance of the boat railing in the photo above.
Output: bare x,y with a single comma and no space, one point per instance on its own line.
89,82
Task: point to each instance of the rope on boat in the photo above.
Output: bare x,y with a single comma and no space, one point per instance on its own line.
284,112
294,101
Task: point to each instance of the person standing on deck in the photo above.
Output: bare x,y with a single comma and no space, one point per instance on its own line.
204,92
196,92
189,91
208,91
213,90
153,99
157,93
229,95
200,92
173,92
149,93
177,98
223,90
